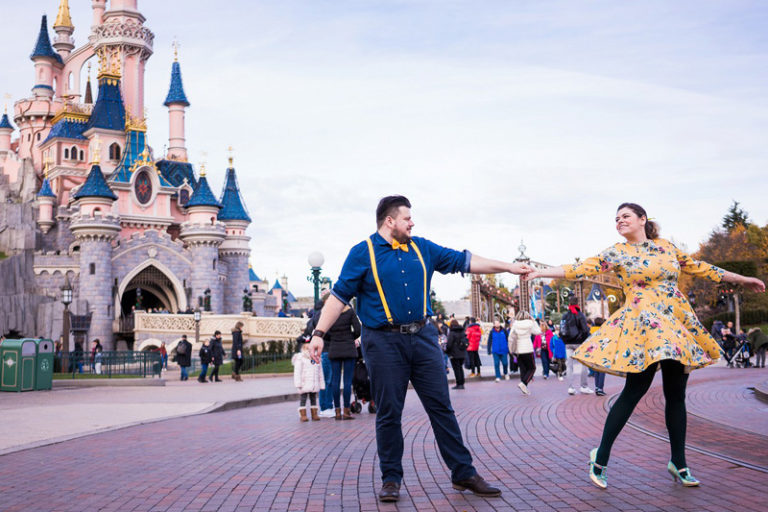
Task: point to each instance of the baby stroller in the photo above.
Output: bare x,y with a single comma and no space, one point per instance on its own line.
361,386
739,356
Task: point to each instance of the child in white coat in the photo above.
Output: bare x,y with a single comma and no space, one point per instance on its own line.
308,379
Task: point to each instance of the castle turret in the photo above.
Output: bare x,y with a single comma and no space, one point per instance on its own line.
6,129
95,227
46,200
235,250
64,43
176,101
98,7
203,234
45,59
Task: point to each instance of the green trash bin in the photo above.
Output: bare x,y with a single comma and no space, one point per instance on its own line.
44,366
18,359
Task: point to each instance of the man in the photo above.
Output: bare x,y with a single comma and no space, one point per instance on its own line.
390,274
184,356
573,331
498,346
217,356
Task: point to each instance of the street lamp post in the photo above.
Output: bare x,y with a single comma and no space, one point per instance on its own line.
315,261
66,299
197,316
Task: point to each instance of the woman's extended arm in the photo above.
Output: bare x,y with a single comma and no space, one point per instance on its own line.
751,283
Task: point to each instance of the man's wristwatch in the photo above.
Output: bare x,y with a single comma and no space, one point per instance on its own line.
318,332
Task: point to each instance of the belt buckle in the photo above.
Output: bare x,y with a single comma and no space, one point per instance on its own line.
405,329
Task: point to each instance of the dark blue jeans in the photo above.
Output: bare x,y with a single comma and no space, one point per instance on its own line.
203,371
499,360
184,372
326,396
599,380
545,362
347,365
393,359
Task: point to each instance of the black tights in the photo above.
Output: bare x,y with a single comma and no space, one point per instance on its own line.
674,381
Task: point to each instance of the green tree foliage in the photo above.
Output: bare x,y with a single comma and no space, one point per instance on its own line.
735,217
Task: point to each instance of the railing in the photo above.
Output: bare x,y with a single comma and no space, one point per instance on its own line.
108,364
258,363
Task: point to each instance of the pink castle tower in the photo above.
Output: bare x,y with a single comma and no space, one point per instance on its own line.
177,103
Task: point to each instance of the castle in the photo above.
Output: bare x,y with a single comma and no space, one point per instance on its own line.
125,226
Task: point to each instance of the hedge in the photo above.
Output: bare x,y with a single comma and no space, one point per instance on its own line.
749,317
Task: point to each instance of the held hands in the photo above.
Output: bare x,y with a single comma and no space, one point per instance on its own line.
522,269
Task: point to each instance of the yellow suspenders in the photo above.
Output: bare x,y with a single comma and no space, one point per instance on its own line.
378,281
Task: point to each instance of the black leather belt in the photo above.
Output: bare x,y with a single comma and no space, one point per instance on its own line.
411,328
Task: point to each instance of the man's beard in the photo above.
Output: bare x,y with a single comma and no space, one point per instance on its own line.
401,236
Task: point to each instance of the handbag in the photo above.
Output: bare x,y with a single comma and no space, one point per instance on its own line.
512,342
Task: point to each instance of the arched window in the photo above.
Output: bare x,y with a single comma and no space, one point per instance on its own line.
66,153
114,151
38,135
81,155
73,152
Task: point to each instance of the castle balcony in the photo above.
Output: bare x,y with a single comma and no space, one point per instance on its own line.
195,233
95,226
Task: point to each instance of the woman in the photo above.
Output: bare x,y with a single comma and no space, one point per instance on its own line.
521,343
457,351
541,346
342,352
237,351
474,334
656,328
758,343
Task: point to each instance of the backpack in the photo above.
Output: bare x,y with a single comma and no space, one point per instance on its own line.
464,342
569,328
181,348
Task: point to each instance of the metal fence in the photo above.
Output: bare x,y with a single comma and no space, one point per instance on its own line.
258,363
109,363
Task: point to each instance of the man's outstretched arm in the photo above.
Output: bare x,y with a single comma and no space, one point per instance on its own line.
480,265
328,316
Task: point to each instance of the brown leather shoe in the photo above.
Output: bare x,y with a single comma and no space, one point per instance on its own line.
338,414
390,492
347,414
478,486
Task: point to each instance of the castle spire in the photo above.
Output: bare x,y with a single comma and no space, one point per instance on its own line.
62,18
43,46
177,102
232,204
64,28
88,91
44,58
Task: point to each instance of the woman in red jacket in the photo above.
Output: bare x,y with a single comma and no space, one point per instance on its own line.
474,334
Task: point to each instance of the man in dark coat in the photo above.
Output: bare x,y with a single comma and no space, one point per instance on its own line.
184,356
237,351
217,356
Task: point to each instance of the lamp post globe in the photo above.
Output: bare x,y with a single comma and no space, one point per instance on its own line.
316,259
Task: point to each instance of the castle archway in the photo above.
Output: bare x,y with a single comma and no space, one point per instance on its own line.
157,287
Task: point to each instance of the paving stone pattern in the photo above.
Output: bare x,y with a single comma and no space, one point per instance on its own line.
535,448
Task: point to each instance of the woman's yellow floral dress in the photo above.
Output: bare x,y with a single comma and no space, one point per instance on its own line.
656,322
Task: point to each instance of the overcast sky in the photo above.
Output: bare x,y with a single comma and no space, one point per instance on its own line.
500,120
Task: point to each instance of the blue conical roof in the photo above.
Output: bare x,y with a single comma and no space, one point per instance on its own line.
202,196
109,111
232,207
276,285
5,122
176,91
43,46
95,186
45,189
252,275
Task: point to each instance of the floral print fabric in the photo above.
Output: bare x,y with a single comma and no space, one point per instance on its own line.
656,322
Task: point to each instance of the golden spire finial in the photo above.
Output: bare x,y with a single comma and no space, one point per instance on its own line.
7,96
231,157
145,153
175,49
63,18
96,151
202,169
47,164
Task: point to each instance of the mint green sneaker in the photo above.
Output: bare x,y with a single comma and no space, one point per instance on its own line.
596,471
684,475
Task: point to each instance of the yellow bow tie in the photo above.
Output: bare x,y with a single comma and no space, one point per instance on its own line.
397,245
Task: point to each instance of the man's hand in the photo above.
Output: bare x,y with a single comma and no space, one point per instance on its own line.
316,348
522,269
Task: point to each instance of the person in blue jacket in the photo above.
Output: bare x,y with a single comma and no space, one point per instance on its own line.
497,345
559,354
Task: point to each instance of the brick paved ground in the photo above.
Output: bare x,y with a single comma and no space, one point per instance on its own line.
262,458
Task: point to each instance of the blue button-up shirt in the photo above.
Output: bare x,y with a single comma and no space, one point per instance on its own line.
401,276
